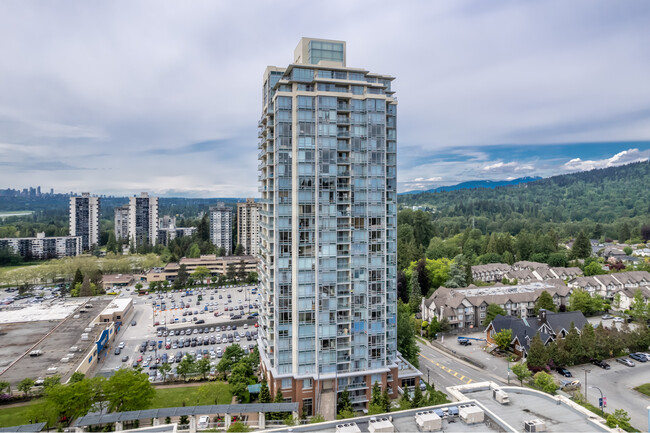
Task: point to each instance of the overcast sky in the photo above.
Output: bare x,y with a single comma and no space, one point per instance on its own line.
118,97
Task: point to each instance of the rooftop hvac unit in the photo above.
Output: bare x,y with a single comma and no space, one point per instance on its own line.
534,425
471,414
500,396
428,421
348,428
381,425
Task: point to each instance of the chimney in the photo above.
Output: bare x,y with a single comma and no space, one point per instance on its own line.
542,315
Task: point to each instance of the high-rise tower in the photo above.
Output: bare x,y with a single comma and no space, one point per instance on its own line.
328,227
143,219
248,226
84,219
221,227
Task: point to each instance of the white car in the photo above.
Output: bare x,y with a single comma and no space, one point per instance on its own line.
619,320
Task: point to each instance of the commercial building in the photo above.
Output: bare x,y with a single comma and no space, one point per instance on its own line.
42,247
217,265
221,227
143,219
121,222
328,229
248,222
84,219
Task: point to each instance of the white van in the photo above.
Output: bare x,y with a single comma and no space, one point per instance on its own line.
204,422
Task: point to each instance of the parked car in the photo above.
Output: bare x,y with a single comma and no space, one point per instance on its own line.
619,320
125,358
607,317
423,385
625,361
564,372
638,357
601,364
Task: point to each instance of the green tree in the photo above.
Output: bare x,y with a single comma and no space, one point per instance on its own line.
503,339
580,300
241,270
558,260
51,381
186,367
69,401
76,377
78,278
521,371
624,233
638,307
418,398
265,395
405,401
385,400
201,273
111,245
194,252
231,272
376,405
231,356
415,296
406,334
588,341
545,301
239,250
181,277
128,390
492,311
545,382
25,386
581,246
593,268
344,403
164,370
537,354
457,273
619,418
5,385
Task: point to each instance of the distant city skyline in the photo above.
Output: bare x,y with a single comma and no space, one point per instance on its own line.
122,97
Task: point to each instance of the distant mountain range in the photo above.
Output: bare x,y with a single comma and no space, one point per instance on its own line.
473,184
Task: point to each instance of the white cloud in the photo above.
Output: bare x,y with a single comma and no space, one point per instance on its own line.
499,165
429,179
621,158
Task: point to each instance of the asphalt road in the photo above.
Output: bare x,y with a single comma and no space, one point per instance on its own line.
443,370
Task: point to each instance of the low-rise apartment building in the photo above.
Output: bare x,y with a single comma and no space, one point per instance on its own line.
522,271
467,307
619,288
43,247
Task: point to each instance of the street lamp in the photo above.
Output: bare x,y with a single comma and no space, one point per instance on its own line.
428,372
602,401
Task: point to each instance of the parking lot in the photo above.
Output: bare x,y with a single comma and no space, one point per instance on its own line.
162,327
617,383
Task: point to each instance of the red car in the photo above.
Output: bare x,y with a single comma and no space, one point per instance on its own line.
140,358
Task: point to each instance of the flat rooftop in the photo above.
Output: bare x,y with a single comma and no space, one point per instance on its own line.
54,338
56,309
505,290
117,305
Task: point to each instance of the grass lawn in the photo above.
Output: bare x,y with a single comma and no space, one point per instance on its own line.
12,416
174,397
165,397
4,269
644,389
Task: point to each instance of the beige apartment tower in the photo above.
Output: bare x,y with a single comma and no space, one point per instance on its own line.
248,221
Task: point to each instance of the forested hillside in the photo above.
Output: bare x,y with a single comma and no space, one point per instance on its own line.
567,203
